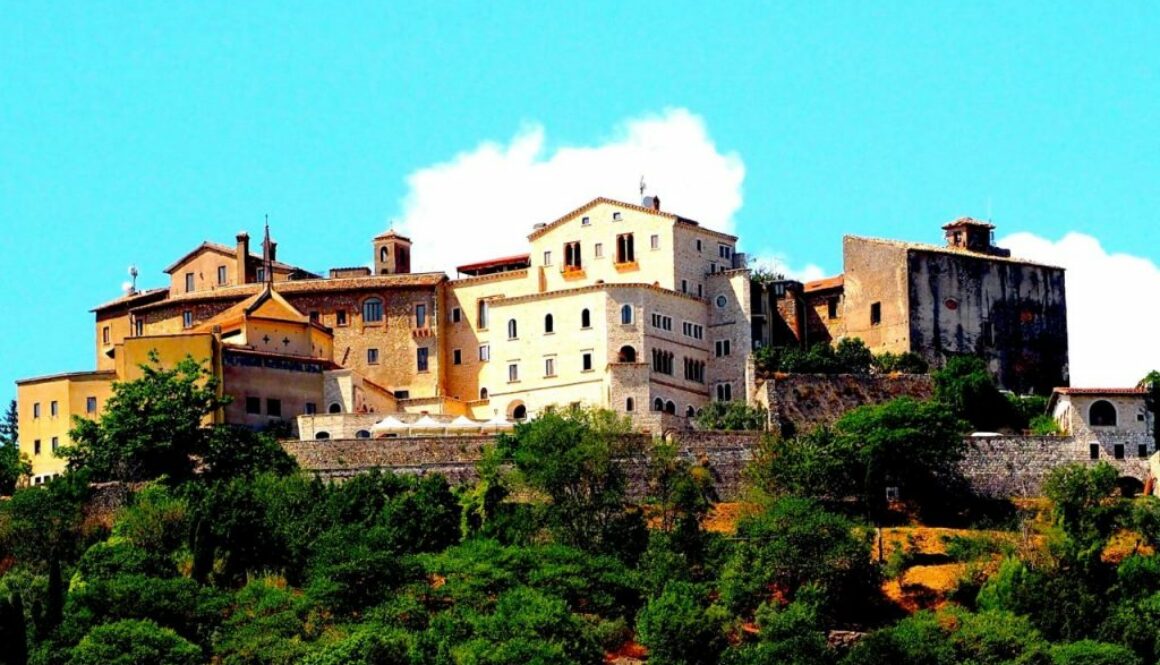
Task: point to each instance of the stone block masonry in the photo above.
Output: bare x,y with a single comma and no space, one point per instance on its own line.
1013,466
801,402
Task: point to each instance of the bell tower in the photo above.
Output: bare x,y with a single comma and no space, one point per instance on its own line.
392,254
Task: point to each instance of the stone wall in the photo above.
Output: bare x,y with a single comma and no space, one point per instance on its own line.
1004,466
804,401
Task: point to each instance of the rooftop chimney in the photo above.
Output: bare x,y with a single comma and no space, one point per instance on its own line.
241,256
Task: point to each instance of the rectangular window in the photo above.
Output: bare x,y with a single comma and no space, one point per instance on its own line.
684,286
372,310
139,327
456,357
105,335
586,361
585,221
875,313
483,315
420,316
700,290
694,330
484,353
187,319
712,268
456,315
221,275
188,282
54,409
513,372
654,241
421,359
1118,451
832,308
36,447
625,252
261,274
1142,450
402,394
598,250
55,443
253,405
724,251
340,317
616,216
1094,451
36,410
314,316
662,322
90,405
549,367
274,407
721,347
698,244
724,392
311,408
572,255
547,257
372,356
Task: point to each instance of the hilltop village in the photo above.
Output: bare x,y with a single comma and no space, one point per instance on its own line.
623,306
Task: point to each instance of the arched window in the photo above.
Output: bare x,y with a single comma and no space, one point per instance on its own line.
383,255
483,393
585,319
670,407
627,354
626,314
372,310
512,329
548,323
322,436
658,404
1102,414
334,407
362,434
690,412
629,404
520,412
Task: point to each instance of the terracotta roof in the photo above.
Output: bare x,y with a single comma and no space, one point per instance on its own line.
968,221
228,251
836,282
133,298
321,285
494,263
391,233
957,251
631,206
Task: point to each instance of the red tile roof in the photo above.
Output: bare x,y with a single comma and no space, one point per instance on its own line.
1101,391
521,260
836,282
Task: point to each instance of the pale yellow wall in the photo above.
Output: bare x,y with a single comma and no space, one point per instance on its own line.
692,265
876,271
204,267
651,266
71,393
171,349
269,336
117,327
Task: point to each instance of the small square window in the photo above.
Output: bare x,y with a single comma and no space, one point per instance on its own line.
456,357
1139,417
484,353
253,405
1094,450
90,405
274,408
456,315
616,216
1118,451
585,221
586,361
372,356
654,241
402,394
187,319
547,257
311,408
598,250
314,316
875,313
1142,450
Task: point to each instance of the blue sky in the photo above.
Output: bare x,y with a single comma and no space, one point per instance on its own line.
130,132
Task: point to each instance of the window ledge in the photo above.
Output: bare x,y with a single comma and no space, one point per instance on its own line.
626,266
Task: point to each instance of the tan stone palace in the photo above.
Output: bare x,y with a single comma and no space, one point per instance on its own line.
617,305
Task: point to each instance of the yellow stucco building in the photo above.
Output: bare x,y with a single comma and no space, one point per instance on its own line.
615,305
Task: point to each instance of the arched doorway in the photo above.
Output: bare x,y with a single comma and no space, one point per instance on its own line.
1129,486
517,411
1102,414
334,407
670,407
627,354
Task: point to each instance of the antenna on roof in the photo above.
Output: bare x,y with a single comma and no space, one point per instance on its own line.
642,186
267,262
133,274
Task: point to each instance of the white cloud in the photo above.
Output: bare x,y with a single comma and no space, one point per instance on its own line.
481,204
780,263
1111,314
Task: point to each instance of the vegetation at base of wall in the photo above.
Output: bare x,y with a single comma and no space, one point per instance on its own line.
733,415
550,559
13,465
849,356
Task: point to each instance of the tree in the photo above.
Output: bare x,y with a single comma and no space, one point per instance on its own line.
1151,383
1081,506
152,426
902,363
13,465
967,387
134,642
573,460
1088,652
737,416
852,356
678,628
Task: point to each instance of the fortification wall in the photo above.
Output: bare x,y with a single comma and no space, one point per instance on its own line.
1012,466
804,401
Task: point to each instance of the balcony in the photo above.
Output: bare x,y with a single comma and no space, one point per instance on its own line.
572,272
626,266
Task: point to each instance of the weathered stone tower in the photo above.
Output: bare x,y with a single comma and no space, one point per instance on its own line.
392,254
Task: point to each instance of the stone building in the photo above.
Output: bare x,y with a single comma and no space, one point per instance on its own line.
966,297
1110,423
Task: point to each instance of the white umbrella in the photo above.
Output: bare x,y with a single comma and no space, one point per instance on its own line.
464,423
427,423
498,423
389,425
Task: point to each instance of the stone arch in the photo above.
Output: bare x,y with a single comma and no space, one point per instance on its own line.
690,412
626,314
1102,413
517,410
321,436
483,393
671,407
627,354
1129,486
362,434
334,407
629,404
658,404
